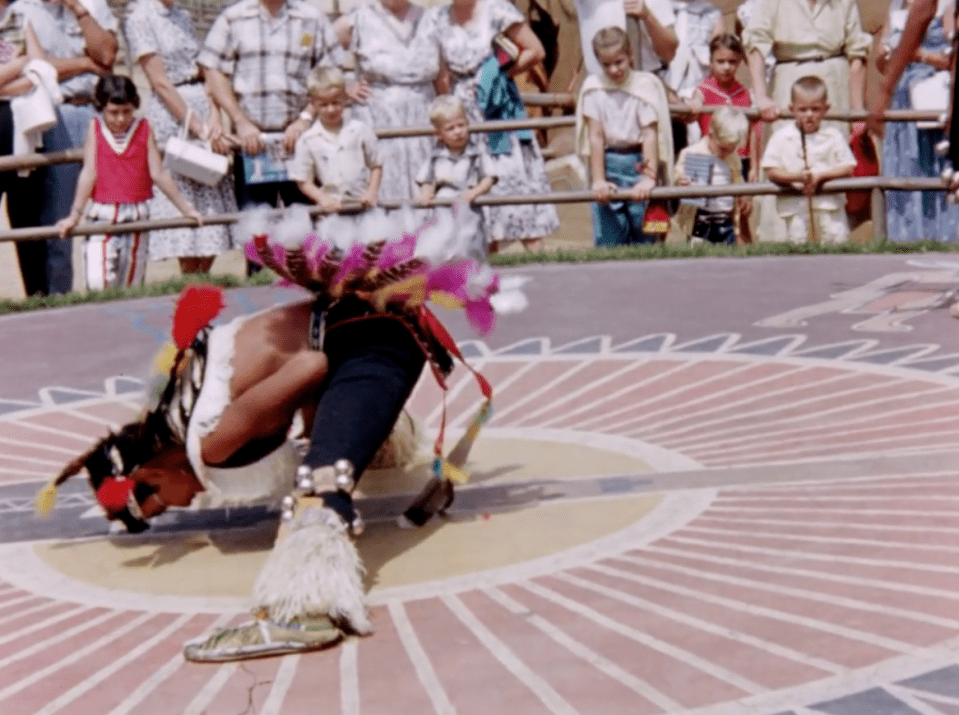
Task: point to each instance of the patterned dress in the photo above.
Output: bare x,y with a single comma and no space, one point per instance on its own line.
399,58
153,28
464,48
909,151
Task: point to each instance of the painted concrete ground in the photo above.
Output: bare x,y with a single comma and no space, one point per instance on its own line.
709,486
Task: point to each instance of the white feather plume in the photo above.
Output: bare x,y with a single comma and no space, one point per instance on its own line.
295,225
255,221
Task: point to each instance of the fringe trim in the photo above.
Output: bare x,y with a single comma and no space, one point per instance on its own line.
315,570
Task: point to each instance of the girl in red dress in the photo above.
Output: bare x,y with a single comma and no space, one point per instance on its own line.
121,163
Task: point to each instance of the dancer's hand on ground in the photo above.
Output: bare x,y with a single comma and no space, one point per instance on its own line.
603,190
640,192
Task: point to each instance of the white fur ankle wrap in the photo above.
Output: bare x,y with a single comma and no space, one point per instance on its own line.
314,570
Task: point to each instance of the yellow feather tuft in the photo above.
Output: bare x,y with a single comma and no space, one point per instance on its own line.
165,359
455,474
46,499
446,300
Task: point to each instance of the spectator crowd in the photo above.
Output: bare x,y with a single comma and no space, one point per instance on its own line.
294,98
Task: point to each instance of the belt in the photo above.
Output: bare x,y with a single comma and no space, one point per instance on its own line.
79,100
817,58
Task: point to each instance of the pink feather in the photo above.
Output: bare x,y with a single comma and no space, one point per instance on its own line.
395,252
480,316
450,278
352,263
315,250
249,250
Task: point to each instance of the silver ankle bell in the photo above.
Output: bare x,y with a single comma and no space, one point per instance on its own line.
357,526
942,148
304,478
345,481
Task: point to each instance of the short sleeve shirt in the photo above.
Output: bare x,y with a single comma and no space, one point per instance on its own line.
825,149
622,115
153,28
452,174
339,162
269,58
60,35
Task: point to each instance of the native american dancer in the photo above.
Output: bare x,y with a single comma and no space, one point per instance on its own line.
218,426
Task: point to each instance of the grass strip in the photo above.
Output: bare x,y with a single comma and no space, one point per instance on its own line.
622,253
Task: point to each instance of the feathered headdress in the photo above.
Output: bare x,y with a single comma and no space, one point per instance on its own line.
110,461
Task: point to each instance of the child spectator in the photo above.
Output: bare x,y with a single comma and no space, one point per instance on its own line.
458,168
336,160
121,163
720,88
804,154
713,161
622,126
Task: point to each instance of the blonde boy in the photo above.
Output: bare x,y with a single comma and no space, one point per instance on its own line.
457,168
804,154
335,160
714,219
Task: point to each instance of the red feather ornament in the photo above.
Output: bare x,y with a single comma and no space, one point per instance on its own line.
113,493
196,308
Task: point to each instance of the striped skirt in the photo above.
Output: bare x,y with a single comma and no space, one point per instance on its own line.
117,259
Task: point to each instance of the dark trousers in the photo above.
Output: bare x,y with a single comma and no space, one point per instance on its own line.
374,365
24,199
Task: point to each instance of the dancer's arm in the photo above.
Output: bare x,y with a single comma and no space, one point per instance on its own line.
266,409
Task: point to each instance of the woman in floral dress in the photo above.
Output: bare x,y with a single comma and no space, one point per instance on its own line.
397,58
908,150
161,39
466,29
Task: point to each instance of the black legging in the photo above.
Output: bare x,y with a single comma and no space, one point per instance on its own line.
374,365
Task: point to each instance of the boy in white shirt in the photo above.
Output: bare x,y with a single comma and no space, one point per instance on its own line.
804,154
335,160
458,168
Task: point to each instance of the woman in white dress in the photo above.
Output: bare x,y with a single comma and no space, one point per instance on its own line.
466,30
396,50
161,39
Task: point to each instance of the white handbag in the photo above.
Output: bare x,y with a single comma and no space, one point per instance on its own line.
193,160
930,94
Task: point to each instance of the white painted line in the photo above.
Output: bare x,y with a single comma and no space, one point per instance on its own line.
603,422
420,660
788,554
33,460
16,601
601,663
19,615
273,705
712,559
575,368
662,415
690,659
118,663
839,426
157,677
693,423
841,521
773,613
699,623
465,414
80,436
38,445
792,591
75,656
58,638
768,414
636,387
725,499
908,698
40,625
212,688
349,677
920,441
43,474
839,511
813,539
516,667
